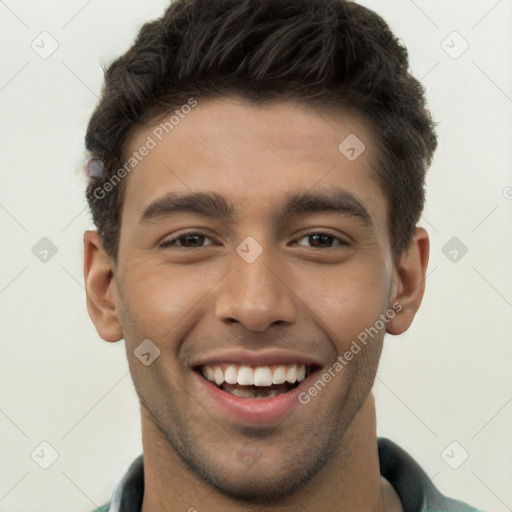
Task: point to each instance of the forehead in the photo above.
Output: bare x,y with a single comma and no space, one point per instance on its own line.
254,156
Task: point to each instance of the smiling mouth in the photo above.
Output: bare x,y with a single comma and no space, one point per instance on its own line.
247,381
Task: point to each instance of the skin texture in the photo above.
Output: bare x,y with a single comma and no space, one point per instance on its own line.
307,295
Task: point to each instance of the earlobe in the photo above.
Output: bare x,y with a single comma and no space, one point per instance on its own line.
410,282
100,288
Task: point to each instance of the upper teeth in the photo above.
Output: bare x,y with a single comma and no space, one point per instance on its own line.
255,375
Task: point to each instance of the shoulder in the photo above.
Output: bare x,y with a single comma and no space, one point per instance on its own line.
416,490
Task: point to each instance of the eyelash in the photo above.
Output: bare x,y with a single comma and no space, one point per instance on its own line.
171,242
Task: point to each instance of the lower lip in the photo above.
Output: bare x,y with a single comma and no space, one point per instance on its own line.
254,410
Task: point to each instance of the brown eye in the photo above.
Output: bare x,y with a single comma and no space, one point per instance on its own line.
320,240
187,240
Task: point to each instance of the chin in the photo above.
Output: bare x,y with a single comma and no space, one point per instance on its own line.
256,488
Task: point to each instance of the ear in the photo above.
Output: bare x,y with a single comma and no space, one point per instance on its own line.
409,282
100,288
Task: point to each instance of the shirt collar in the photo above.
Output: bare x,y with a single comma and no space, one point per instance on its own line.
129,491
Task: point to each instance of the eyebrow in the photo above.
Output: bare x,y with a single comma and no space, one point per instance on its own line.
216,206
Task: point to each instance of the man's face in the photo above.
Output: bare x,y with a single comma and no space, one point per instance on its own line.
304,299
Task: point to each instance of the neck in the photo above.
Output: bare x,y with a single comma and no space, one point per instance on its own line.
350,481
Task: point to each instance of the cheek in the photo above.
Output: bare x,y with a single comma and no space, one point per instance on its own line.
158,299
347,300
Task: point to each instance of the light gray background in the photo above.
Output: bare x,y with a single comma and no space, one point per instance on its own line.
448,379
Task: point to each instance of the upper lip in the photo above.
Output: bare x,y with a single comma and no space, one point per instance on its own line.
257,358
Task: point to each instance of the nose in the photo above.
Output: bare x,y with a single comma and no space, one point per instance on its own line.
256,294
